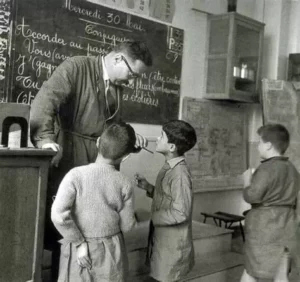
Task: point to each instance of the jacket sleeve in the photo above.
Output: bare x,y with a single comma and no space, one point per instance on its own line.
46,104
61,212
259,186
127,216
181,204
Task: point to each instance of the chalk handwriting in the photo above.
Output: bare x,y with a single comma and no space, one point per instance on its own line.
25,31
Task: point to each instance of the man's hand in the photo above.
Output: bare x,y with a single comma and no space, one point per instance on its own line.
83,258
141,182
141,141
55,147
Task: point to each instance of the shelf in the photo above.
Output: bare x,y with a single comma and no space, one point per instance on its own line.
244,80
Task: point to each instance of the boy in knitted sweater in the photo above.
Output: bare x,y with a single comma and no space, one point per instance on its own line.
170,246
92,209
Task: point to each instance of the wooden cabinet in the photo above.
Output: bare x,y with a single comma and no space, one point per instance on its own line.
233,57
23,185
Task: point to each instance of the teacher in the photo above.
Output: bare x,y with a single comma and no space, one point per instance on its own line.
74,106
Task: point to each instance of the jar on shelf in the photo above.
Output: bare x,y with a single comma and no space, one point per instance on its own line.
244,71
236,71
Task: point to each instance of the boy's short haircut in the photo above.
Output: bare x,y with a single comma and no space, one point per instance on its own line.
117,141
277,135
180,133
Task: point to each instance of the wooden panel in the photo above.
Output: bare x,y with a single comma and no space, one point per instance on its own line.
18,190
23,185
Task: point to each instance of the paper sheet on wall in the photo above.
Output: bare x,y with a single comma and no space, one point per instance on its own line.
162,9
5,17
281,104
219,157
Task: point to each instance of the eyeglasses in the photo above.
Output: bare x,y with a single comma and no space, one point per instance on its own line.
132,74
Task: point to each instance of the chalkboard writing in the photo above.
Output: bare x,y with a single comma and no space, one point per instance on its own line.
219,158
5,17
281,104
48,32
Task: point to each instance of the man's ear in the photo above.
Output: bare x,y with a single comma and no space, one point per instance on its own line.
269,145
98,142
172,147
117,58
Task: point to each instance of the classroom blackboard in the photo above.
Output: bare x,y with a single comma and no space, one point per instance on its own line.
281,104
47,32
219,157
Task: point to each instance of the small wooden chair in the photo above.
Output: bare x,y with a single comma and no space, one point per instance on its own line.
227,218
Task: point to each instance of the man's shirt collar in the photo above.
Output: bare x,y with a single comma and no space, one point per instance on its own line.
105,74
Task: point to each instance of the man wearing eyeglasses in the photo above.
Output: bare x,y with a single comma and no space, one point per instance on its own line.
73,107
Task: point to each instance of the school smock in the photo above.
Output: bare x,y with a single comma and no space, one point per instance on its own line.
94,203
270,225
171,251
70,109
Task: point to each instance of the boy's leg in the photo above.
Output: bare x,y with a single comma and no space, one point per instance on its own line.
247,278
283,269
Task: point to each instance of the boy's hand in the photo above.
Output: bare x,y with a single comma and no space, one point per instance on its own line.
141,182
83,258
247,176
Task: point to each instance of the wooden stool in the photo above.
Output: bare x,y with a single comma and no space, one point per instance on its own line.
227,218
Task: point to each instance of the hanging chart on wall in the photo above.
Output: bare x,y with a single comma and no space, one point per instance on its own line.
219,158
281,104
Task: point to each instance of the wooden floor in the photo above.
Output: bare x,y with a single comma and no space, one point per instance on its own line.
237,246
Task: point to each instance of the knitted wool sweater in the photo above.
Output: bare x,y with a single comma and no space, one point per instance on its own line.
93,201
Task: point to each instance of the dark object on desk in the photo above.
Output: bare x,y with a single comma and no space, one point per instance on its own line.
227,218
11,114
7,122
294,67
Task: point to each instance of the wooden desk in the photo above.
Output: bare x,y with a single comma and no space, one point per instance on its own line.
23,186
227,218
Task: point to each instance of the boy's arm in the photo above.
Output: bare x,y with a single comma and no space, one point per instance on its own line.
181,205
144,184
127,216
259,185
61,212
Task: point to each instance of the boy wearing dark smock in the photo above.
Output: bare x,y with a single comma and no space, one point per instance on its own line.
170,247
271,223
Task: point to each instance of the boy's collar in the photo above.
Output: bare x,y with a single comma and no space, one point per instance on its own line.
173,162
283,158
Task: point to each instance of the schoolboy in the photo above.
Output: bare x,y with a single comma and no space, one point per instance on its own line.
272,192
170,247
92,209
